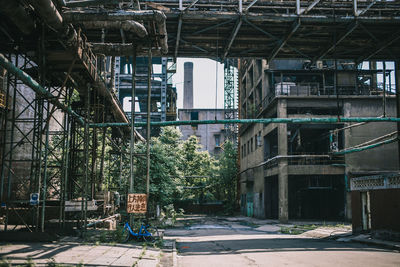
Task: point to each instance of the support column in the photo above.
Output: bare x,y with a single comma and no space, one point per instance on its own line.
132,141
45,169
397,81
283,164
148,128
164,62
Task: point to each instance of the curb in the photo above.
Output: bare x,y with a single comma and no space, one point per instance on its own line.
377,243
174,256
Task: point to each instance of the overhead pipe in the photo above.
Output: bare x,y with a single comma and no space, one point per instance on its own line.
17,14
128,25
29,81
248,121
135,15
48,11
359,149
119,50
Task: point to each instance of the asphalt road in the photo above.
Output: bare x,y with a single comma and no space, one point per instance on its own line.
225,243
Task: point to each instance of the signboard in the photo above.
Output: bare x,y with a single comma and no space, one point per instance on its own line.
34,199
137,203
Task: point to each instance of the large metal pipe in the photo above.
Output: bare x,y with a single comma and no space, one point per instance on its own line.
17,14
49,13
29,81
118,49
248,121
136,15
128,25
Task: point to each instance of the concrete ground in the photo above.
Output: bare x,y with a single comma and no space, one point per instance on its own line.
206,241
71,253
241,241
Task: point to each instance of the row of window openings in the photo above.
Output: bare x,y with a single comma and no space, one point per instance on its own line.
251,145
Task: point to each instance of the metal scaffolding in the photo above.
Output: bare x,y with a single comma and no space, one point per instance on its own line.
62,127
230,111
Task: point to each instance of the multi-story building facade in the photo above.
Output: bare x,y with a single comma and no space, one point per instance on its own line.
293,171
210,136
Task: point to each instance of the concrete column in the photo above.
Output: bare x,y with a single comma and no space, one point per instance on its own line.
283,164
372,66
188,85
397,82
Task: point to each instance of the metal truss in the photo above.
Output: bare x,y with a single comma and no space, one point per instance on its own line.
230,113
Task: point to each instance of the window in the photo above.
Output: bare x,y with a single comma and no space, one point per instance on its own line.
251,144
217,140
258,144
248,147
244,150
194,116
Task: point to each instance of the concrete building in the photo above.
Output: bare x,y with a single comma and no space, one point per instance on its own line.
210,136
301,171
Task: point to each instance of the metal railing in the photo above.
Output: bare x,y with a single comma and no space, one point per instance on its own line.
305,159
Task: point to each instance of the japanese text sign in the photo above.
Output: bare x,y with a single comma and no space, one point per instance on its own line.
137,203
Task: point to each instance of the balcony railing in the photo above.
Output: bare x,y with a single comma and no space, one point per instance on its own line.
305,159
313,89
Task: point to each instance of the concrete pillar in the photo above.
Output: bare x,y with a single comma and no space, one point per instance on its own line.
372,66
283,164
397,82
188,85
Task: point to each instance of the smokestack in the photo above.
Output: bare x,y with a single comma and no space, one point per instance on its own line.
188,85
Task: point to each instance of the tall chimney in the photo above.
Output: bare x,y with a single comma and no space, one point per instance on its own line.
188,85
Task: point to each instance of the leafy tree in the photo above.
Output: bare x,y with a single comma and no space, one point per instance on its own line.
164,171
199,168
227,176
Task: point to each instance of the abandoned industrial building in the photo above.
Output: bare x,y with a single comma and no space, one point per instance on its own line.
302,170
311,107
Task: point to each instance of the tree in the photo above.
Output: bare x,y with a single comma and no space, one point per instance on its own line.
198,168
226,184
164,171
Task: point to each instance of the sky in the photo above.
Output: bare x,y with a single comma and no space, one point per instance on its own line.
204,82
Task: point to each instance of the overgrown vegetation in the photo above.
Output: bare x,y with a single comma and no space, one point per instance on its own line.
179,170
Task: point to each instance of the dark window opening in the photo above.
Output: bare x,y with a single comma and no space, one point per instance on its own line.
316,197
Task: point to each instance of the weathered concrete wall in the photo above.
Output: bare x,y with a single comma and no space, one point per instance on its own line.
205,133
383,158
188,85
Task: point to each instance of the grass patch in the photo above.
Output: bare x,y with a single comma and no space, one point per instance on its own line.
298,229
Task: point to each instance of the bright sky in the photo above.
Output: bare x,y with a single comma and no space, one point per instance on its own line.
204,82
